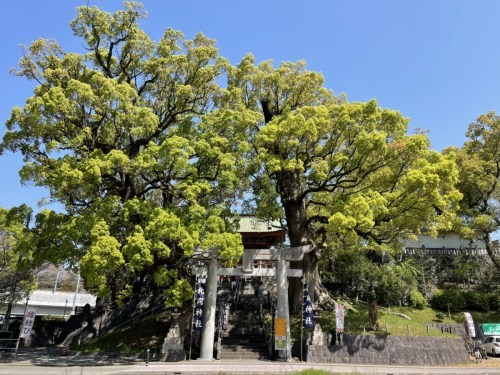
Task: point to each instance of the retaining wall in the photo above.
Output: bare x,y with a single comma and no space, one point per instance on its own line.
390,350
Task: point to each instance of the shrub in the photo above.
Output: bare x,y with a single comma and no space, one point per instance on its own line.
476,300
440,316
448,299
417,300
458,300
494,301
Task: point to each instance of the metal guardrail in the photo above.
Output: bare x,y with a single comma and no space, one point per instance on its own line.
9,346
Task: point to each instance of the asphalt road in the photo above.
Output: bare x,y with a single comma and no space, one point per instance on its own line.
42,361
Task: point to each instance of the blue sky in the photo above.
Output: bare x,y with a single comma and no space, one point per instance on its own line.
438,62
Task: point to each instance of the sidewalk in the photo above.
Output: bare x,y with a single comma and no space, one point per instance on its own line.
48,361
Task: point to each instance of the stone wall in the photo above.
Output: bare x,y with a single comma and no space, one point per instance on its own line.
390,350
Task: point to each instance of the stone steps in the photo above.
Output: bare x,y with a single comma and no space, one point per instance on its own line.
244,355
256,347
243,338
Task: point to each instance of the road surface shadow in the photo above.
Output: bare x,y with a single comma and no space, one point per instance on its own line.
56,357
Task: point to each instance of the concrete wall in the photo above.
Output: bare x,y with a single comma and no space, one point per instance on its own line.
391,350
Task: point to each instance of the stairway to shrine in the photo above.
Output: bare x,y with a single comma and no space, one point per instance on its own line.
244,336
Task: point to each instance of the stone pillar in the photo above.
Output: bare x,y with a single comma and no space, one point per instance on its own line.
208,332
319,338
282,305
173,345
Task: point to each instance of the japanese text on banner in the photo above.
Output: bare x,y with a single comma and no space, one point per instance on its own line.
28,321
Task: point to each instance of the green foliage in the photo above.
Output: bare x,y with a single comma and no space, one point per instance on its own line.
367,275
479,169
478,301
17,247
149,155
345,176
440,316
449,299
357,320
458,300
132,138
417,300
494,301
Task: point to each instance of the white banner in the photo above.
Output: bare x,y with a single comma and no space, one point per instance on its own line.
339,318
29,319
470,324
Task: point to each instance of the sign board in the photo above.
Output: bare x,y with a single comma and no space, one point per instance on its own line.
29,319
491,329
280,334
470,324
339,318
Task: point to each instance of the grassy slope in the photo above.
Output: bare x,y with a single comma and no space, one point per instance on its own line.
134,338
150,332
357,318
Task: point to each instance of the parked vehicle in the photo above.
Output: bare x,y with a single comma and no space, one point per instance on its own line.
492,345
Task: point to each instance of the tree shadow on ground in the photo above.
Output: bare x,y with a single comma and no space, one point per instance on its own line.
54,357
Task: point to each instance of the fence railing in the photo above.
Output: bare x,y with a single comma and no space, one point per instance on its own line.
430,329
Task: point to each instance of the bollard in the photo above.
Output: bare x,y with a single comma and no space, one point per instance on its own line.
147,357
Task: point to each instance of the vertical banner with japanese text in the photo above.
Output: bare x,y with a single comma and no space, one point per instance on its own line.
339,318
199,300
307,313
28,321
226,308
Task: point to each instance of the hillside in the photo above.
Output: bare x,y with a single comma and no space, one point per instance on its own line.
151,331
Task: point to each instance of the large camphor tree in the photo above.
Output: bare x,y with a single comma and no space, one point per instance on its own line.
149,155
339,174
129,139
478,161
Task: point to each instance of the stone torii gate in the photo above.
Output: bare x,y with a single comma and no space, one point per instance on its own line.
281,255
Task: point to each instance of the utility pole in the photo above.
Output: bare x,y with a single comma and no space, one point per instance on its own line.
76,290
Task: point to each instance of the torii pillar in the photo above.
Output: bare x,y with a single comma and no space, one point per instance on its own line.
281,255
208,331
283,310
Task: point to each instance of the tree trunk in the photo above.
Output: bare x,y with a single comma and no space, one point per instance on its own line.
495,258
6,321
298,233
373,313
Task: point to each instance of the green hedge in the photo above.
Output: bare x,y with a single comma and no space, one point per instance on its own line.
456,300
